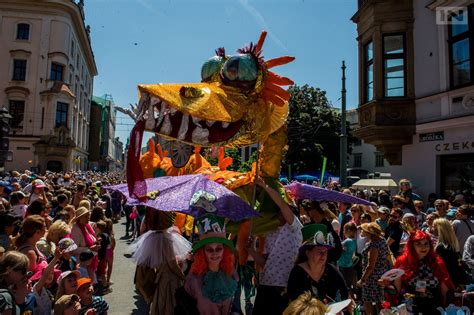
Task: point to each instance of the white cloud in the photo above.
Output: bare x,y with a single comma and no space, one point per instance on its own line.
261,21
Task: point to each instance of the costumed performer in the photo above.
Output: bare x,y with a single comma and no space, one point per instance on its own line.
159,254
212,279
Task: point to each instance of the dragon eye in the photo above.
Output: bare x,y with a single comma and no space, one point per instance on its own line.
211,66
240,71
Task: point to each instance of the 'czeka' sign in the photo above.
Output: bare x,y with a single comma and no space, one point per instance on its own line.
455,146
432,136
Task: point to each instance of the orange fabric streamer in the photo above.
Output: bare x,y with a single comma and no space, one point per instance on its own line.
275,62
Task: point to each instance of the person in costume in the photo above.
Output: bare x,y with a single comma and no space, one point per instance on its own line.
159,254
312,272
212,279
426,278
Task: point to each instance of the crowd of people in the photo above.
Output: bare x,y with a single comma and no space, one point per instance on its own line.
57,252
57,242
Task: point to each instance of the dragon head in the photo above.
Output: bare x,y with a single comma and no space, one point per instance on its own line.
238,103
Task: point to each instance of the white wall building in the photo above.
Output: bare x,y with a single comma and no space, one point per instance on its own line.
46,82
365,156
417,79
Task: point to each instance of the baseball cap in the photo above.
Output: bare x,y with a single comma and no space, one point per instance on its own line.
67,245
67,273
38,183
384,210
83,281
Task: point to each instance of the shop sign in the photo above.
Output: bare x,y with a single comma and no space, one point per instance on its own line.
455,146
432,136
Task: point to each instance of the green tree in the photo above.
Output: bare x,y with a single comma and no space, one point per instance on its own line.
313,131
237,163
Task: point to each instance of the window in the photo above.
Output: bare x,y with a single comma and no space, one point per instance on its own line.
72,48
56,72
19,70
379,159
460,42
394,65
61,114
23,31
369,72
357,159
17,111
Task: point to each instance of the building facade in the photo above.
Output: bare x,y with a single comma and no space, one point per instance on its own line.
365,158
46,83
104,144
416,92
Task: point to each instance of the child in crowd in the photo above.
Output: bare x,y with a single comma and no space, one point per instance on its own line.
345,262
104,243
85,259
88,300
18,203
109,253
68,261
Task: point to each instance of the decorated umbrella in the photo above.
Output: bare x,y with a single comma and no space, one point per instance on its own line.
304,191
190,194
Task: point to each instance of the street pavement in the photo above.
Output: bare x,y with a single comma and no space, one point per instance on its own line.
124,299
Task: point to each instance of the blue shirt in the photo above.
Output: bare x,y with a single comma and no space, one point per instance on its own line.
348,249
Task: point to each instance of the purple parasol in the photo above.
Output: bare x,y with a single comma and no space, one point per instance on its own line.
304,191
190,194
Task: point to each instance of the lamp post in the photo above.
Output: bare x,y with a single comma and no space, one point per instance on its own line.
343,137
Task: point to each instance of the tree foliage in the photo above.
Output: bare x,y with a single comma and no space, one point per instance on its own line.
313,131
237,163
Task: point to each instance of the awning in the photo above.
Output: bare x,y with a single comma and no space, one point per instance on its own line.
387,184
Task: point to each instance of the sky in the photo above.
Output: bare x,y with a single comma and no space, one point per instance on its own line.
167,41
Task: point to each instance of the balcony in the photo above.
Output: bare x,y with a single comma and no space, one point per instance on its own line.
388,125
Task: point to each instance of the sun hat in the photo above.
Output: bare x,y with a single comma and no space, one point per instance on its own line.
38,183
372,228
211,229
83,281
383,210
65,302
317,235
65,274
81,211
67,245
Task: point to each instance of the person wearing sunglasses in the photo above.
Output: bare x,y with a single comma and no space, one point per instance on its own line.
212,280
394,231
13,270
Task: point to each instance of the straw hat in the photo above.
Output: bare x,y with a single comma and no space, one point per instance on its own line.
372,228
81,211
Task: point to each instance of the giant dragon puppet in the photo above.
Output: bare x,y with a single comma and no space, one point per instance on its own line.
239,102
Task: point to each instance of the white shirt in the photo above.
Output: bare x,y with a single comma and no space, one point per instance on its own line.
19,210
282,247
43,301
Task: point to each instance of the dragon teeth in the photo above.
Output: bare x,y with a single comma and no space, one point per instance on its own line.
184,127
167,127
200,135
196,121
209,123
225,124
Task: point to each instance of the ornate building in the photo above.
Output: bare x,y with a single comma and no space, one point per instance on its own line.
47,83
416,89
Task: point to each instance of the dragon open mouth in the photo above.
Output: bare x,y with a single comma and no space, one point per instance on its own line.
173,123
